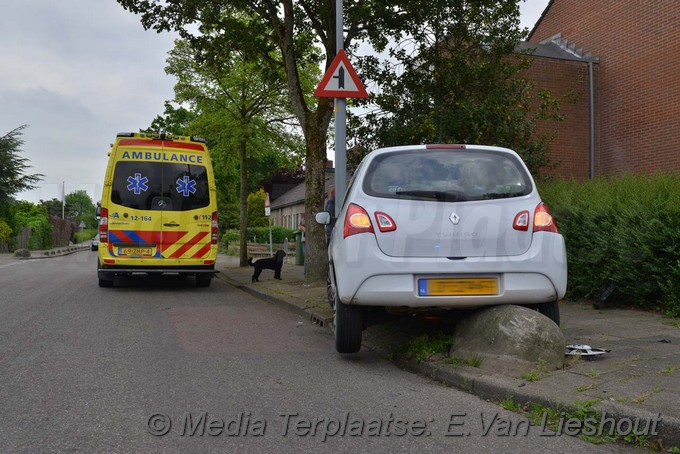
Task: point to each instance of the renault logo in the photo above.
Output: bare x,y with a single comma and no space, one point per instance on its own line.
454,218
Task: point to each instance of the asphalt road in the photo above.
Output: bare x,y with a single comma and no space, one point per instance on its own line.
86,369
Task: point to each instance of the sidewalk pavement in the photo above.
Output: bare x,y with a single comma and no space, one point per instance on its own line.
638,378
48,253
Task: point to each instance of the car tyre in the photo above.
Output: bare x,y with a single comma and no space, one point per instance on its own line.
348,323
550,310
106,283
203,281
330,291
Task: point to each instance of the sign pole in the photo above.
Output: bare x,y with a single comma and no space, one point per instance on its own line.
268,212
340,121
340,82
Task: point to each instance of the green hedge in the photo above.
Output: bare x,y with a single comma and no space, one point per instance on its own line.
623,234
84,235
36,218
260,234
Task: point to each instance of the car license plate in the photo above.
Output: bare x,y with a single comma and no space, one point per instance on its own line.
458,286
135,251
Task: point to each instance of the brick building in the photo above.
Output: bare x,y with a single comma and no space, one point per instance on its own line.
629,48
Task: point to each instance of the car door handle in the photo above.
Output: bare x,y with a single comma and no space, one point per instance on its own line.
171,224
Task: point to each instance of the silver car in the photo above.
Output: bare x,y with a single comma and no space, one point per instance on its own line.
441,227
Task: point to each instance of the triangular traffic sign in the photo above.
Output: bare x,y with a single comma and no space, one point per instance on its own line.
341,80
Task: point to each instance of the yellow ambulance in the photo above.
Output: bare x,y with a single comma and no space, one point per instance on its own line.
158,211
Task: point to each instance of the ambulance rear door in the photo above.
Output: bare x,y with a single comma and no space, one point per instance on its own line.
187,206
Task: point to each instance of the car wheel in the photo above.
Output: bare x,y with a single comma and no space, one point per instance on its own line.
348,323
330,291
550,310
203,281
104,282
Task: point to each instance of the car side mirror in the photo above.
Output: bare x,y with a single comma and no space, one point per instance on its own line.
98,212
323,217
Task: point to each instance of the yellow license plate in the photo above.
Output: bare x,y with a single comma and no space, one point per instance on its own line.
137,251
458,286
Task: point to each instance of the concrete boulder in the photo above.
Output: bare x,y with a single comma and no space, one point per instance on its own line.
510,339
23,253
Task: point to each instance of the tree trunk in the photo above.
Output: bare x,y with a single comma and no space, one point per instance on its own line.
316,126
243,224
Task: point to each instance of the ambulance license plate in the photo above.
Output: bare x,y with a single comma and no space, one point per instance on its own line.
135,251
458,287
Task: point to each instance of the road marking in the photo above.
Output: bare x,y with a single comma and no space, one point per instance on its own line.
13,263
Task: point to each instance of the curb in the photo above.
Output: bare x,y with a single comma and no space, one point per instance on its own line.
57,253
494,388
487,387
314,317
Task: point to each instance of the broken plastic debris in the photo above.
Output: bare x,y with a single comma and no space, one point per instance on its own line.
584,350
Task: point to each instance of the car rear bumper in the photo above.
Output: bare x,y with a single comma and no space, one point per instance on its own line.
371,278
109,272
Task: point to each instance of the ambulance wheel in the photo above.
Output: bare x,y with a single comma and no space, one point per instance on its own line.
203,281
105,283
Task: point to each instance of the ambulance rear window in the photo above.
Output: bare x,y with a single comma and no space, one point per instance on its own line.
160,186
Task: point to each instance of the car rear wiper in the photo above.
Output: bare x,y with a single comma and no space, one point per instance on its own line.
442,196
500,195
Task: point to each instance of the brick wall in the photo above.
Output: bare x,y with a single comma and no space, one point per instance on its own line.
568,82
639,80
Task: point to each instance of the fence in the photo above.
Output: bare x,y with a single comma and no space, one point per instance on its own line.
259,250
21,241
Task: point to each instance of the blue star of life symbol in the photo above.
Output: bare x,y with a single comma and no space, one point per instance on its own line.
138,183
186,186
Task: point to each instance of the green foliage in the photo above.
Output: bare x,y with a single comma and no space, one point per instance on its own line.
80,208
5,231
454,83
36,218
621,231
422,347
53,207
291,42
256,216
13,179
174,121
259,235
84,236
455,361
241,107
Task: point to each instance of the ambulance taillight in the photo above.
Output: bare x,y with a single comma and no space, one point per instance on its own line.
104,226
215,233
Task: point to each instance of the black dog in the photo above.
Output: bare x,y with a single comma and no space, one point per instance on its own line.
270,263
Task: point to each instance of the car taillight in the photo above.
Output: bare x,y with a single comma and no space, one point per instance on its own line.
104,226
385,222
357,221
543,219
521,221
214,230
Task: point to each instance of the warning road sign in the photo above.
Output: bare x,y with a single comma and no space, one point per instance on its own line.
341,80
267,205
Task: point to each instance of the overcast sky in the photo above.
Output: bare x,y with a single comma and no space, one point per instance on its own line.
79,71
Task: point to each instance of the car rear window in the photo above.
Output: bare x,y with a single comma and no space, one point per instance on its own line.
447,175
160,186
